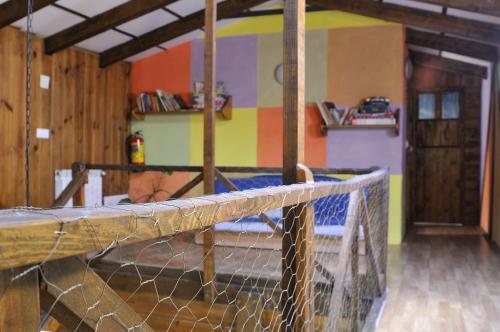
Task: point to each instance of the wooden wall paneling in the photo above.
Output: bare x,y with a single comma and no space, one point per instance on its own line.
85,109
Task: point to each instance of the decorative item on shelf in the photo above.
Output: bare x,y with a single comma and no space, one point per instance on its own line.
198,97
372,113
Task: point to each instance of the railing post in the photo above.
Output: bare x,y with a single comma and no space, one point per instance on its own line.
293,147
209,145
79,197
304,258
19,300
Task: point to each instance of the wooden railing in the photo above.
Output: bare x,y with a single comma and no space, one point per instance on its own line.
50,241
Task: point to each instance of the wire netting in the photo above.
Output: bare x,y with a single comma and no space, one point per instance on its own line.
306,257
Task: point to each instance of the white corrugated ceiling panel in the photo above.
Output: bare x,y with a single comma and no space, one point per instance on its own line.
103,41
148,22
90,7
44,19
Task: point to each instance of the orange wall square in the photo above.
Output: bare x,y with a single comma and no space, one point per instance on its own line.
270,138
366,62
169,70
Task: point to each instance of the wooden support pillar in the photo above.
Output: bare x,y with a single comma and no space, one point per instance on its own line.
305,258
79,197
209,144
293,147
19,300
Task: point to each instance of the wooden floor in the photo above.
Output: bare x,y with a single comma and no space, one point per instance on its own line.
443,280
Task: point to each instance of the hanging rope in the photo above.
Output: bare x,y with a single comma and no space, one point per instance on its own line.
29,26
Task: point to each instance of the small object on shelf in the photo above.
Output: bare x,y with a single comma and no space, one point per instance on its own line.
330,113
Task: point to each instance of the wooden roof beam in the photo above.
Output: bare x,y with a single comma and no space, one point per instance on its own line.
172,30
102,22
487,7
444,64
485,32
452,44
14,10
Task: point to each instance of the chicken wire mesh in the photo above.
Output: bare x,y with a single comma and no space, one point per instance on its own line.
141,267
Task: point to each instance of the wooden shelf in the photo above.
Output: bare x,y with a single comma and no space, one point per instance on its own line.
394,127
226,112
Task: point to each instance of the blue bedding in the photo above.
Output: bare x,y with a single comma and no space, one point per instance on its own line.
329,210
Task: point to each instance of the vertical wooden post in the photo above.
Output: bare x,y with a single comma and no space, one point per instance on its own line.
19,301
293,145
305,258
79,197
209,143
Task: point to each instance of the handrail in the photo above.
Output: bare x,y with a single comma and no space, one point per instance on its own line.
224,169
34,236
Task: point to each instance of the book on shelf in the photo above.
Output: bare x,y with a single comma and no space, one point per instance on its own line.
159,101
331,114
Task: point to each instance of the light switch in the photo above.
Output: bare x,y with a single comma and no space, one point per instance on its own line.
44,81
42,133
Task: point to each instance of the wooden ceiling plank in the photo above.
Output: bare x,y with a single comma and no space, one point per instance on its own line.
477,30
172,30
452,44
487,7
440,63
14,10
102,22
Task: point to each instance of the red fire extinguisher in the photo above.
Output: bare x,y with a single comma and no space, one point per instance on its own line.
135,149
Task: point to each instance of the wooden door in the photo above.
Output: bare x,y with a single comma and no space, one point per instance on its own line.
437,148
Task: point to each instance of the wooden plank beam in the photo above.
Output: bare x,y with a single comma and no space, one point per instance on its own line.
31,236
488,7
440,63
209,145
14,10
172,30
19,300
293,148
86,298
102,22
486,32
452,44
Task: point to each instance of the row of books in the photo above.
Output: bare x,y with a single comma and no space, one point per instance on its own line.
366,114
387,118
151,102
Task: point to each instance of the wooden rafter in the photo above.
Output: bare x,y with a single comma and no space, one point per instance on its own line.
173,30
14,10
439,63
486,32
102,22
488,7
452,44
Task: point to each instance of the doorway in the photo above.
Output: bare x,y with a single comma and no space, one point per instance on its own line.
443,148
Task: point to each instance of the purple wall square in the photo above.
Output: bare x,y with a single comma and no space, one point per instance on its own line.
236,67
363,148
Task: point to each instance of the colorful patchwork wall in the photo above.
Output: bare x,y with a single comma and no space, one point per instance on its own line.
348,57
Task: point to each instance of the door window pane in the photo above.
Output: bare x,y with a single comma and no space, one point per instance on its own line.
450,106
426,106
